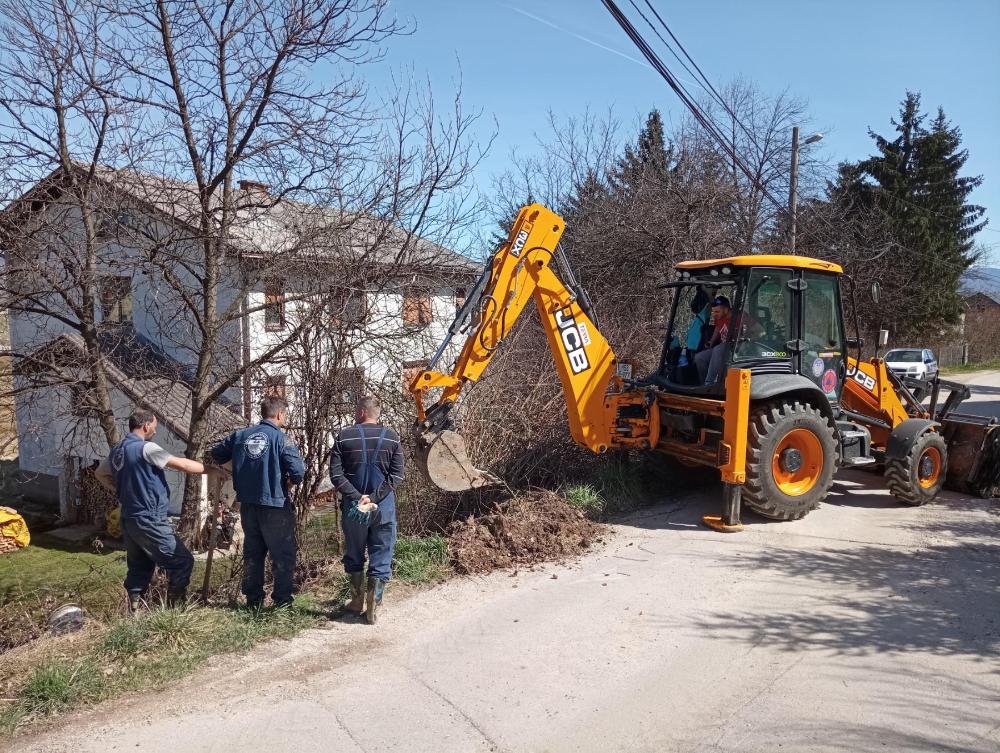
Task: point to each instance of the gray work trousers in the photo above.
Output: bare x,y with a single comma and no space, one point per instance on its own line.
709,363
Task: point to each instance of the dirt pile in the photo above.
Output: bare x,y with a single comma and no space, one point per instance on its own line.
524,530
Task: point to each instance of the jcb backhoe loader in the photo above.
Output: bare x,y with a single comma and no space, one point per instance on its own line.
791,406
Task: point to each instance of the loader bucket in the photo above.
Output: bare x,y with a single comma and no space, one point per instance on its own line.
973,454
446,463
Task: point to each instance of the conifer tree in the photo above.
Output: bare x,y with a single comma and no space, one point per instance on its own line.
914,180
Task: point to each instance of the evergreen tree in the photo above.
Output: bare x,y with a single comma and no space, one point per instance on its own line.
587,199
914,180
646,165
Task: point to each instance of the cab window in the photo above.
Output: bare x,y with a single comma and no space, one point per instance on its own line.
763,325
821,321
822,331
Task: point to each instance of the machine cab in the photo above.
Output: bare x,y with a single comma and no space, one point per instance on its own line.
783,318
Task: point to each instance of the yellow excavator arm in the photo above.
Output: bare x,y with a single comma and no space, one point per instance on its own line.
521,270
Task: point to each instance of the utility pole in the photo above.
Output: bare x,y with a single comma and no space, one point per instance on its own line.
793,184
793,190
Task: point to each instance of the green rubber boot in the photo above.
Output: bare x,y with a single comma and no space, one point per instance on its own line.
357,602
376,588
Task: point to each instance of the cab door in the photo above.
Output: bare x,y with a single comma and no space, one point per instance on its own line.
823,350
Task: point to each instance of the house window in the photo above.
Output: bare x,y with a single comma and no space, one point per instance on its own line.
116,299
348,307
460,294
417,307
410,371
274,303
275,385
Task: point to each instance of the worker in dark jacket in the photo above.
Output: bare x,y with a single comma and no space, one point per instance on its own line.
366,467
264,464
134,471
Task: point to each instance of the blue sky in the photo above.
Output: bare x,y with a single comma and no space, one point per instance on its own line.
851,60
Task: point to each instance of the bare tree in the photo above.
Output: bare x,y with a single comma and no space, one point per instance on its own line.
238,153
759,127
60,126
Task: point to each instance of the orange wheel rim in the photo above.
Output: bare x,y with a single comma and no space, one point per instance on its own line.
797,462
929,467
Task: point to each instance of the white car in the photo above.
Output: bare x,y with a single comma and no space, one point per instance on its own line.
915,363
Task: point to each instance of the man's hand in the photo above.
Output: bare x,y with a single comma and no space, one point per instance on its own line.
365,499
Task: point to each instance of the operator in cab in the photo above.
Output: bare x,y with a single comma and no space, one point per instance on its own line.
710,360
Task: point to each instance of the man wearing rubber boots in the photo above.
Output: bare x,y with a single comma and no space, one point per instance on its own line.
366,467
264,464
134,471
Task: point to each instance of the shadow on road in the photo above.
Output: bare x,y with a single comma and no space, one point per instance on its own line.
941,598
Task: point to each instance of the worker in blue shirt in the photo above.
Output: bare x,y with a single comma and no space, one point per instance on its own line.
134,471
366,467
264,465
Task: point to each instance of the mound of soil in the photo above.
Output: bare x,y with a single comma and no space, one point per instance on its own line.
524,530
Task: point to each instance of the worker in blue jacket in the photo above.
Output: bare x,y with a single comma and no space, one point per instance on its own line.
264,465
134,471
366,467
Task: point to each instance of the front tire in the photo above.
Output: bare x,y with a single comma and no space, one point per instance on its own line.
917,478
791,459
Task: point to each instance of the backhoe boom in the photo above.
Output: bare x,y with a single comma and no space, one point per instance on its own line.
520,271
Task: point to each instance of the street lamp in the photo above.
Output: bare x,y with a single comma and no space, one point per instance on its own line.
794,184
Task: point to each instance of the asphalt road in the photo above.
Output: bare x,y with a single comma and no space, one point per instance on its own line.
985,386
866,626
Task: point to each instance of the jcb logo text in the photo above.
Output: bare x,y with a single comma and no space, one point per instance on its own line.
572,341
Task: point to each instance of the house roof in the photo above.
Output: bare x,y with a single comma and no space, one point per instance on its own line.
166,395
267,224
991,295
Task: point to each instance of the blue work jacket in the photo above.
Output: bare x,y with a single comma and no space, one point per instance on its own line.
264,464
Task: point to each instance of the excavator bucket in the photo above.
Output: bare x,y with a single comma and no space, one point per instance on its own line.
446,463
973,454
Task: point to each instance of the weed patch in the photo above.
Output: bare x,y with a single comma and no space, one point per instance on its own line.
421,559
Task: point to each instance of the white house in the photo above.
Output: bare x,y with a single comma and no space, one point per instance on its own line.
399,297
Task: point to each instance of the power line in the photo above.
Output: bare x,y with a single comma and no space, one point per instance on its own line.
710,126
704,120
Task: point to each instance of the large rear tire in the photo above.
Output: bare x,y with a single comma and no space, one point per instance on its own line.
791,458
917,478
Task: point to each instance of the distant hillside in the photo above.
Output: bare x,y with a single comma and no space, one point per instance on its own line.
981,280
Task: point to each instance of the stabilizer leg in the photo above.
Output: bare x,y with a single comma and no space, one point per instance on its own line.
729,521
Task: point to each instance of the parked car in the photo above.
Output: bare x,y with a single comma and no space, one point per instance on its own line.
916,363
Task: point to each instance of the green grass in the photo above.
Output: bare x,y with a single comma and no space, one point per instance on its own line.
45,574
586,497
615,487
139,654
45,568
148,652
58,685
421,559
992,364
